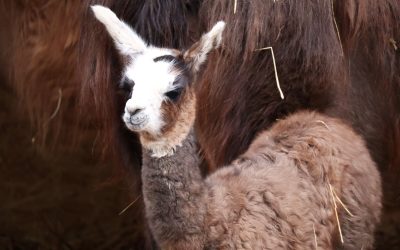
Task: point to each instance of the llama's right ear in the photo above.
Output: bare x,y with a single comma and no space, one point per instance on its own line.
197,54
125,38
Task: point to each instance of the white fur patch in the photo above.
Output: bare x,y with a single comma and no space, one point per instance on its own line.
152,81
125,38
208,42
161,148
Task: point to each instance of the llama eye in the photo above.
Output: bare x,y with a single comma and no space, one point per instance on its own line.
173,95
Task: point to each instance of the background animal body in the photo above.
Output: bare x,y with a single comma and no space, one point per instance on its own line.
354,78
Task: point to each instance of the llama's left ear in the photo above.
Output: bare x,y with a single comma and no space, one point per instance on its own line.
197,54
127,41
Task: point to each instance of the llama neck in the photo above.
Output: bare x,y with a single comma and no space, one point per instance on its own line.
166,144
173,193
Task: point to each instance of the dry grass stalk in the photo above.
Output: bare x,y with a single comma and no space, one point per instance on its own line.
127,207
336,213
323,123
57,107
337,27
234,6
394,43
343,205
275,70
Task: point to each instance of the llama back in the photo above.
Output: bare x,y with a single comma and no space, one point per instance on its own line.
335,161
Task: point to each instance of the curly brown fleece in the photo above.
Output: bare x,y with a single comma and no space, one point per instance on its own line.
275,196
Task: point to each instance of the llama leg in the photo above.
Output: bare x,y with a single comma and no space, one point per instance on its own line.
173,195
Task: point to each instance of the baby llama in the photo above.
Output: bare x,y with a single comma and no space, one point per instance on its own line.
308,182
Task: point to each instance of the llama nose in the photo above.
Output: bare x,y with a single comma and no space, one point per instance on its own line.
133,112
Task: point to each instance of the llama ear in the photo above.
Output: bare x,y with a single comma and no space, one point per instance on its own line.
197,54
127,41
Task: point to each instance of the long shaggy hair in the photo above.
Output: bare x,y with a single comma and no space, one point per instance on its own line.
43,63
370,32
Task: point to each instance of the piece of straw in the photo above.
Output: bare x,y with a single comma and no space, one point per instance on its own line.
57,107
394,43
323,123
341,202
127,207
336,27
234,6
276,72
336,213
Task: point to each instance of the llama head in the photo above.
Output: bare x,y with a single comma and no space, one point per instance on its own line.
159,79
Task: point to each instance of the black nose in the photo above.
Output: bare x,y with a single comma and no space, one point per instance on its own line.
134,112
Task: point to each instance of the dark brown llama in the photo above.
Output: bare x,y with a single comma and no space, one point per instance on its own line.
282,193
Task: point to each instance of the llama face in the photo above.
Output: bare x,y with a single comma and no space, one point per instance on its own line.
159,78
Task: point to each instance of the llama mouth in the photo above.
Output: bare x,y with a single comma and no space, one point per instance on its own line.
136,123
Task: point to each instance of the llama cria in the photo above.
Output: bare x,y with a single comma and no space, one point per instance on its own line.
303,184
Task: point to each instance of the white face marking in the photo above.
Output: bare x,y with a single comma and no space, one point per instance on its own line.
152,80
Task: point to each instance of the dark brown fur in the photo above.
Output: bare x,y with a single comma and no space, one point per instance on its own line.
371,95
43,65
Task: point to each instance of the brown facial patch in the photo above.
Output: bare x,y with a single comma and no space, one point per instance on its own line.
177,111
177,116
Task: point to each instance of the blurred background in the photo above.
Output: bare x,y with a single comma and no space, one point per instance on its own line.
57,191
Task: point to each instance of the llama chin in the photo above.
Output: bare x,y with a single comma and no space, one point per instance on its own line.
137,123
282,193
